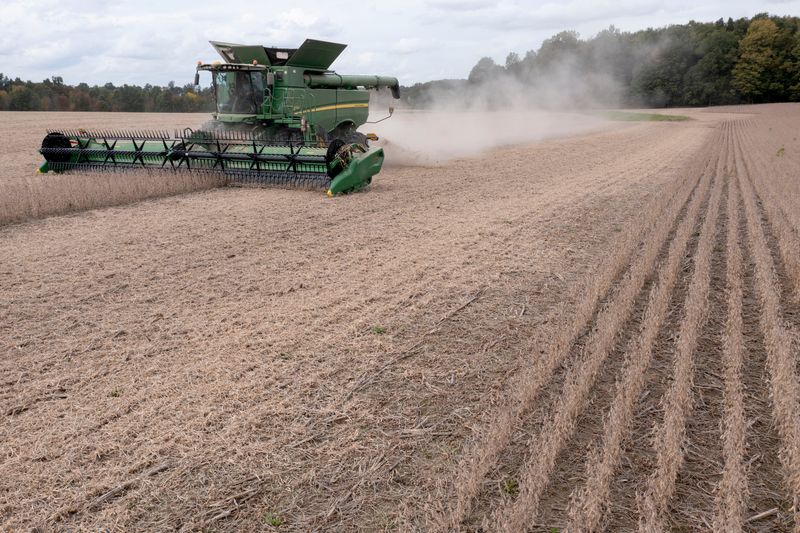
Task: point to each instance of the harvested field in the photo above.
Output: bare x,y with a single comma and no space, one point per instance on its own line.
599,332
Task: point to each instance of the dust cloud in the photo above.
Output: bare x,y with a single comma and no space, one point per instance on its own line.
462,118
430,137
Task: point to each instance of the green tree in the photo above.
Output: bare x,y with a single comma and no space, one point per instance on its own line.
484,70
21,98
128,98
794,69
709,81
660,81
79,99
559,48
513,63
756,74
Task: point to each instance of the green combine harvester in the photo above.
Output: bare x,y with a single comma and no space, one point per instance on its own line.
282,118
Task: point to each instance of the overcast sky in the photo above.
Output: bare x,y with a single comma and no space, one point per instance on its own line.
154,42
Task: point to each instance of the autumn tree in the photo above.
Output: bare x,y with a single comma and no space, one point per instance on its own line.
757,73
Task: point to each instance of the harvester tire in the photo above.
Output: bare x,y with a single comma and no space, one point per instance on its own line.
348,133
333,149
56,140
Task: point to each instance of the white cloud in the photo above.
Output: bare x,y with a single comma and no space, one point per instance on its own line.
366,58
412,45
151,41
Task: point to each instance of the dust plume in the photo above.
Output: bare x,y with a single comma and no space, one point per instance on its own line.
429,138
543,96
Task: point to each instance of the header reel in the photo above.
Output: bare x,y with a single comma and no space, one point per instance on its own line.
243,158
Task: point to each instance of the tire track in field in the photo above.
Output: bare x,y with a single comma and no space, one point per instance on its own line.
698,479
605,425
557,429
731,491
638,457
703,461
670,437
787,236
483,455
568,466
590,500
714,459
784,387
764,477
781,239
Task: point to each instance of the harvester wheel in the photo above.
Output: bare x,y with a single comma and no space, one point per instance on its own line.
56,140
333,149
348,133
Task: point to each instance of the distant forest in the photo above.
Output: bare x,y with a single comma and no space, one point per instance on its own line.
696,64
53,95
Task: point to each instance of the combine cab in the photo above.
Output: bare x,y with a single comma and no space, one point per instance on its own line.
282,118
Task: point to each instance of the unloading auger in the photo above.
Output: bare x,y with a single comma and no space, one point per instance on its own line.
282,118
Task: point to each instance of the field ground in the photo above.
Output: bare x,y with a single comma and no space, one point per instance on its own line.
597,332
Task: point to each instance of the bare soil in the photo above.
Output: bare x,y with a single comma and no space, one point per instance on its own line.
443,351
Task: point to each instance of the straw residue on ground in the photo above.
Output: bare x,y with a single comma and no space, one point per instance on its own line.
438,353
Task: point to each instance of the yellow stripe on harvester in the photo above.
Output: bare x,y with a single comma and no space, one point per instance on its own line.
332,107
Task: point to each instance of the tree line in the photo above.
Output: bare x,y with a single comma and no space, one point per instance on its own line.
749,60
53,95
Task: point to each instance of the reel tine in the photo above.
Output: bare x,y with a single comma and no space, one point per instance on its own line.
241,158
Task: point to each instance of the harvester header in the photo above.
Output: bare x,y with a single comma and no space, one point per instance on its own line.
282,117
